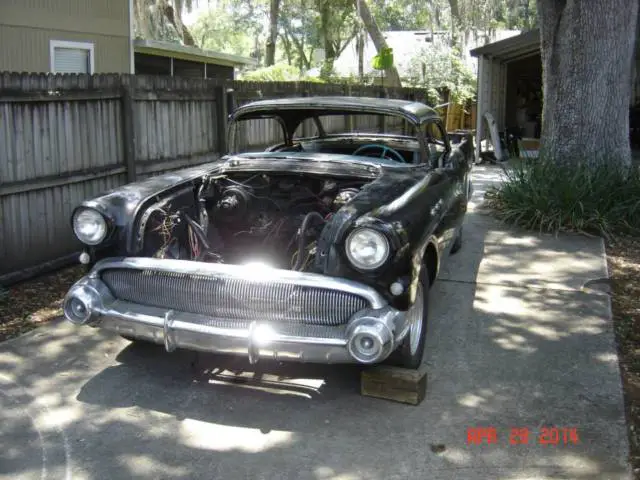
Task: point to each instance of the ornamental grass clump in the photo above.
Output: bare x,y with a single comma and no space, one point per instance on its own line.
542,195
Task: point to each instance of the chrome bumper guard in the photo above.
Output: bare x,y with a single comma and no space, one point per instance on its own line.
369,336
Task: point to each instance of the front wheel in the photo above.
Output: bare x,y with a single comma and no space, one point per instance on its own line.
457,243
409,354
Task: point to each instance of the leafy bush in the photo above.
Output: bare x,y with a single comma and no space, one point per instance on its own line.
544,196
438,68
223,28
366,80
280,72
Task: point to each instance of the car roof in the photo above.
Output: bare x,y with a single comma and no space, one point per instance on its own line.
337,105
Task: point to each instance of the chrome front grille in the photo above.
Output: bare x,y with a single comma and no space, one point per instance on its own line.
233,298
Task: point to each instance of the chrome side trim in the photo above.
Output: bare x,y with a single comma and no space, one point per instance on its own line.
249,273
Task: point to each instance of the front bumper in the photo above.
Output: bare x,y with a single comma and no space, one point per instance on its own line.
368,336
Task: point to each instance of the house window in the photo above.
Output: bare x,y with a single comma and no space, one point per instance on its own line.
71,57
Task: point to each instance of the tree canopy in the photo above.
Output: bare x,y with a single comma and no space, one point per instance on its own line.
311,34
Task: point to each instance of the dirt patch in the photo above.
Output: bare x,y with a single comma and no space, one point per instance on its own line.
624,269
26,305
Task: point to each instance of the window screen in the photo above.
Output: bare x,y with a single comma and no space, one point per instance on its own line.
71,60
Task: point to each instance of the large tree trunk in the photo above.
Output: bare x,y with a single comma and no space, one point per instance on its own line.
286,44
174,16
377,38
586,63
270,54
360,48
326,31
456,21
142,20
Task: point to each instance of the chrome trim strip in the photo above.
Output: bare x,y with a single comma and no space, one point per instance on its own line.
154,317
317,352
319,345
244,272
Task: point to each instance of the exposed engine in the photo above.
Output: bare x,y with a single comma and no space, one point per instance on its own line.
243,218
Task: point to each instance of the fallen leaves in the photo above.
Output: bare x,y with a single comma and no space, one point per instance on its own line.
29,304
624,269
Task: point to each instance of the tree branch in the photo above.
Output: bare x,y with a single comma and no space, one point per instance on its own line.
176,21
378,39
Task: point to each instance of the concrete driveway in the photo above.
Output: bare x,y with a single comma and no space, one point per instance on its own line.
514,343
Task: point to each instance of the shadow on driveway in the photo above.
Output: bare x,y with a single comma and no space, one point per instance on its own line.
512,344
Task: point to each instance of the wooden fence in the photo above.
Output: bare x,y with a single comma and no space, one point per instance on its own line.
65,138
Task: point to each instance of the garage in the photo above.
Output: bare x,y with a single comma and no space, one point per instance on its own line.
510,92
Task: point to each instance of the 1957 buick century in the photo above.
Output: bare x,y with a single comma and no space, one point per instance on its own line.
321,248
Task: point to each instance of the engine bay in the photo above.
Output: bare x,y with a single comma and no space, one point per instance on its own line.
243,218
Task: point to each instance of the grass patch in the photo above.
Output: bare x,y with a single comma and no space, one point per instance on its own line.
551,198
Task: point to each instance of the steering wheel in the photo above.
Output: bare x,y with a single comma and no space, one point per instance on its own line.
383,151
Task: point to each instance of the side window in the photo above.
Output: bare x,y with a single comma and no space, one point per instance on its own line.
257,134
309,129
434,136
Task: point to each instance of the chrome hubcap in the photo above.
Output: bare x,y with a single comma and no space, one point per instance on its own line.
416,319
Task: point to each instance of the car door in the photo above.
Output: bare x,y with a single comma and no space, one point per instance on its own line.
439,153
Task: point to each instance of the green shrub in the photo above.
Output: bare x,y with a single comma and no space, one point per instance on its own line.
544,196
280,72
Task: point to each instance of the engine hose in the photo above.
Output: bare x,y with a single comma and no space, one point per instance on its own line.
202,208
303,228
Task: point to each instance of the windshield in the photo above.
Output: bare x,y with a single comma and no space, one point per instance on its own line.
354,124
259,134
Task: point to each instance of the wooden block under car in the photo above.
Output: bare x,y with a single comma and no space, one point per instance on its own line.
394,383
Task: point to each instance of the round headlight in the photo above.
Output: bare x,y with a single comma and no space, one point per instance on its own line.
89,226
367,249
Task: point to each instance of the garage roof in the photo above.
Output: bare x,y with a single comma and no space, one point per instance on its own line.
166,49
512,48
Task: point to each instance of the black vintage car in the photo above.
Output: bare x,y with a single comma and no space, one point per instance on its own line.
321,248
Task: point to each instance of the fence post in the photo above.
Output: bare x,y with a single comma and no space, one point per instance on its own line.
231,100
221,118
129,126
